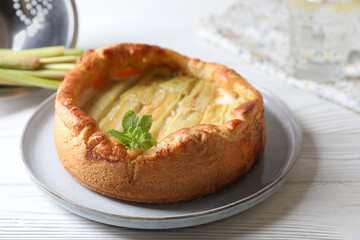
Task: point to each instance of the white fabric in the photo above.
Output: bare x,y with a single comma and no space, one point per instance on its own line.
257,30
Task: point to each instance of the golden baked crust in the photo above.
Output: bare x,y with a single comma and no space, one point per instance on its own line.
188,163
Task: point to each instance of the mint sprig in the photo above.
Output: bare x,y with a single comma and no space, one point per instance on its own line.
136,131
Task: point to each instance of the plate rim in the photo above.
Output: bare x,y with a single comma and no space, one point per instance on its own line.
263,191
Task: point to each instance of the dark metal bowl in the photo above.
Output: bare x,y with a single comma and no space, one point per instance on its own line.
37,23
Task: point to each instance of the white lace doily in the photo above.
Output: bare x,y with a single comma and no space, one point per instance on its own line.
251,29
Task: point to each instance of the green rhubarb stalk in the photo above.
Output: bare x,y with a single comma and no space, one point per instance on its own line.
37,52
10,83
19,62
42,73
59,59
16,78
73,52
58,66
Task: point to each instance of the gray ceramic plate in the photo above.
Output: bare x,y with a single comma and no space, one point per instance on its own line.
43,165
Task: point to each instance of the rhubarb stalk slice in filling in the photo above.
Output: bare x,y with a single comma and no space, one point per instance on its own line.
174,100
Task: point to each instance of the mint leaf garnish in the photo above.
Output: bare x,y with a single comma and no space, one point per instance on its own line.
145,122
122,137
129,121
136,131
147,140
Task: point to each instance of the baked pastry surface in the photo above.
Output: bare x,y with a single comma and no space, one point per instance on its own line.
208,121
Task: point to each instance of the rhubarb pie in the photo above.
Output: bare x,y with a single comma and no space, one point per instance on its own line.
208,122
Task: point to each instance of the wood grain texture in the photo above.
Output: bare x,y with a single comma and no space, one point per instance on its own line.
318,210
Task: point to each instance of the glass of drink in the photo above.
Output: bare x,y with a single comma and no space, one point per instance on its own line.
321,35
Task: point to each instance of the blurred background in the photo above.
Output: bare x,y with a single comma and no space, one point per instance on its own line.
310,44
123,21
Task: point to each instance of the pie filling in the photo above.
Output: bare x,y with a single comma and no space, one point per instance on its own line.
174,100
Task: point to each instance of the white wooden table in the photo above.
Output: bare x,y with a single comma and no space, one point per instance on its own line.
321,199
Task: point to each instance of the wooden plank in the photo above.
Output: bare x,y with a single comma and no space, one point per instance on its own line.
318,210
328,157
328,119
